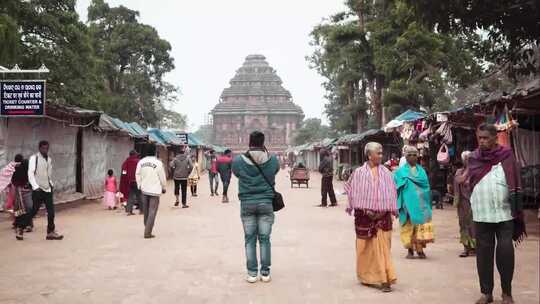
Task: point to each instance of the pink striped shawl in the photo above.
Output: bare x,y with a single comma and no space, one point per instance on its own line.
365,194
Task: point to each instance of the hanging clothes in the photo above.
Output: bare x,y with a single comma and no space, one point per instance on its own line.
503,138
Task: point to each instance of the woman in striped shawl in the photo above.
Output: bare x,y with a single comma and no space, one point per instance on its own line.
372,200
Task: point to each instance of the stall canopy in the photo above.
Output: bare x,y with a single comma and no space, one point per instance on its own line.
112,124
350,139
164,138
193,141
404,117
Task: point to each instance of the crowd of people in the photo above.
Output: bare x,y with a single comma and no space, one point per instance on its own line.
488,200
487,196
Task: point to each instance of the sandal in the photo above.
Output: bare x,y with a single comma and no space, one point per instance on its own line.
386,287
410,254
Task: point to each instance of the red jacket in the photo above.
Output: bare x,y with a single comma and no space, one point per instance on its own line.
128,175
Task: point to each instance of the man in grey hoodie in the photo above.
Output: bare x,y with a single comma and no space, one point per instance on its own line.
182,167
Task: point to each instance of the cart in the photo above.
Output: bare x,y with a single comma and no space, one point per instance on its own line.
299,176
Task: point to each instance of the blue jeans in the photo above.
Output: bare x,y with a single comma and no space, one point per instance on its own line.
257,220
226,180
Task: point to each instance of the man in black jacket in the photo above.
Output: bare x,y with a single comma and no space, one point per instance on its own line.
326,168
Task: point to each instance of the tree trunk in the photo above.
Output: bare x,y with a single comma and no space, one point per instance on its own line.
360,5
376,92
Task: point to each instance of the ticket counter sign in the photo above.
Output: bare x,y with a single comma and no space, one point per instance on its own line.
22,97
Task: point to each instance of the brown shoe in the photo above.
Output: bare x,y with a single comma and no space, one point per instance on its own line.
507,299
54,236
485,299
151,236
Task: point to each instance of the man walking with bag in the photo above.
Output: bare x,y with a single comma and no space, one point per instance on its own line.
256,193
152,182
40,178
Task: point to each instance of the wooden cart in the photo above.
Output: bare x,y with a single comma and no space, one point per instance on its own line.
299,176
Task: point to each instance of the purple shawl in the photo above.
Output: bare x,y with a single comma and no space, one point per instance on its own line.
480,164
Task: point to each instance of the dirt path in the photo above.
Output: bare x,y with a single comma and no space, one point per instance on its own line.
198,257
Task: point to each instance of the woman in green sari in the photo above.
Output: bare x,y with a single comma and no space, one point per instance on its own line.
414,205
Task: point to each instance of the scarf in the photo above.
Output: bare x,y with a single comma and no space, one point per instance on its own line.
366,194
414,195
481,161
480,164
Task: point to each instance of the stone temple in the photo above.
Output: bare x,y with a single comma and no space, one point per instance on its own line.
256,100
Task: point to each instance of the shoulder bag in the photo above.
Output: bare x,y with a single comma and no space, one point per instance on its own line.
277,201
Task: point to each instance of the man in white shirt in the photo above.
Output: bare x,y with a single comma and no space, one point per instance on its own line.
40,178
151,180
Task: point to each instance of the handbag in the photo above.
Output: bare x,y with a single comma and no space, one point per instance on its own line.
277,201
442,156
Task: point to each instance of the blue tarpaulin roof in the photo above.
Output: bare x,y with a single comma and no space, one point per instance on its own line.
108,123
193,141
410,116
404,117
164,137
136,129
155,136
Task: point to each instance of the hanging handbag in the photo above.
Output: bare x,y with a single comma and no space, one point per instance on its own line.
442,156
424,136
277,201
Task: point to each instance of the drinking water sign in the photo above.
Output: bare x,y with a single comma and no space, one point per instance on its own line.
22,97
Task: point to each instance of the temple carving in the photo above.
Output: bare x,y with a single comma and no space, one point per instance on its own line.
255,100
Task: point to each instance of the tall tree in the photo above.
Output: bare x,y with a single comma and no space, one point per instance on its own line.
133,60
511,29
394,61
48,32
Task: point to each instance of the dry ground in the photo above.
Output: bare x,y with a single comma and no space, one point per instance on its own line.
198,257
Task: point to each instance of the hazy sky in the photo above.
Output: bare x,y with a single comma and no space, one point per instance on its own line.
210,40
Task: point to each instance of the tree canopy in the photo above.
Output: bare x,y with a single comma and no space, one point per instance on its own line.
114,63
382,57
511,29
311,130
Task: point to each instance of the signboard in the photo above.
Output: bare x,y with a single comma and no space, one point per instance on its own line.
183,138
22,97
